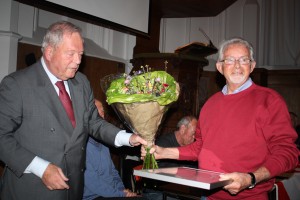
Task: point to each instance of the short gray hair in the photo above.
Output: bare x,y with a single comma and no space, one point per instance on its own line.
225,44
186,120
56,31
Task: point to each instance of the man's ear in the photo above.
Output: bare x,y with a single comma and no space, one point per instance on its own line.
219,67
48,52
252,66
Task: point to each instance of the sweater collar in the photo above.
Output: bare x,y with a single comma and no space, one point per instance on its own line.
243,87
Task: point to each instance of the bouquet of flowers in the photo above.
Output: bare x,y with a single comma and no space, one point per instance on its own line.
140,100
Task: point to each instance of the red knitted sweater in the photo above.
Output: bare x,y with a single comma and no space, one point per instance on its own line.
242,132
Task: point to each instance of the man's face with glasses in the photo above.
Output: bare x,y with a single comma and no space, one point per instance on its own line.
236,66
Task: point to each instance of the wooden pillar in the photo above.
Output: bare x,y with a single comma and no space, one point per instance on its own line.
151,44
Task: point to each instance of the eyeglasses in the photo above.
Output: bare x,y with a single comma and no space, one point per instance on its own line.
231,61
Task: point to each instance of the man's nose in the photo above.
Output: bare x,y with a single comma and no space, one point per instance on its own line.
77,58
237,64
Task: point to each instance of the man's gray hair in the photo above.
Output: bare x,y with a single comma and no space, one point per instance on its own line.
225,44
56,31
185,121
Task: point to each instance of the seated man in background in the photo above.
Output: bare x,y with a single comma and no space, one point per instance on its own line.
184,135
101,179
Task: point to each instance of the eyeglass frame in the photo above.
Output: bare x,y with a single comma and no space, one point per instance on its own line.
248,61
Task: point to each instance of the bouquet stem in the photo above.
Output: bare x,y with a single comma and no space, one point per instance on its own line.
149,161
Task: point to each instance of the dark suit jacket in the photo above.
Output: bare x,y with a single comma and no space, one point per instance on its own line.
33,123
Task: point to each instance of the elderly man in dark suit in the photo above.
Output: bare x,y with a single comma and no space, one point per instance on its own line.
41,142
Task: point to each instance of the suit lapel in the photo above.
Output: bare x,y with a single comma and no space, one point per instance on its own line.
76,90
48,94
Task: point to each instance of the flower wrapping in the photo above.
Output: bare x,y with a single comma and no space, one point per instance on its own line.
144,118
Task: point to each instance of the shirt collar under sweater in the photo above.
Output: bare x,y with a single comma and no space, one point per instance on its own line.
246,85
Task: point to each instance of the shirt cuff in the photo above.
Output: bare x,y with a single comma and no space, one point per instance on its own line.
122,138
37,166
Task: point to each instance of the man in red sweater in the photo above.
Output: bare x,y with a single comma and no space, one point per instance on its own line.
243,131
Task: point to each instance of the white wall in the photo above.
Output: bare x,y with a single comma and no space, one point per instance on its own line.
8,36
245,18
110,10
180,31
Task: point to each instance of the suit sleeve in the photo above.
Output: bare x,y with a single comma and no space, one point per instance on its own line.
16,157
96,126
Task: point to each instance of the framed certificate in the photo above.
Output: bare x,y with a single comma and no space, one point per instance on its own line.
184,176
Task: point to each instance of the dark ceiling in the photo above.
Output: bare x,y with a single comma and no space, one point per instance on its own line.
191,8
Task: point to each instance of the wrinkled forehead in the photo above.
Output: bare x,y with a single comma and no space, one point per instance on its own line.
236,47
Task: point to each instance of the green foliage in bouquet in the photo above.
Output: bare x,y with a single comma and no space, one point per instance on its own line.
156,86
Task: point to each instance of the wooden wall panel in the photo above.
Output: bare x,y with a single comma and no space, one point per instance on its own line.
287,83
26,50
